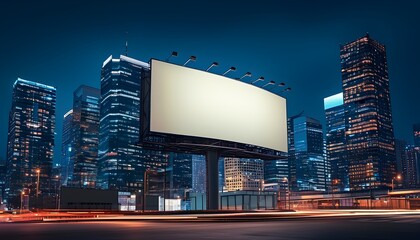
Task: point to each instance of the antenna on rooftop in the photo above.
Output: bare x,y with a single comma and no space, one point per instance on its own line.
126,44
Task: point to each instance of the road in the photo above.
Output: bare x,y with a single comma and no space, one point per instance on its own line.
349,227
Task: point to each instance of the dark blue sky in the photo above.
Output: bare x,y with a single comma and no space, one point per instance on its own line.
63,43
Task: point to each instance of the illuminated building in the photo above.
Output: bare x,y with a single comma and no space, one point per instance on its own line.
243,174
2,181
121,162
410,167
181,173
86,132
198,174
369,130
335,142
306,154
67,153
30,140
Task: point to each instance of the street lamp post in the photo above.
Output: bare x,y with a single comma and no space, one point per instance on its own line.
38,171
21,200
398,177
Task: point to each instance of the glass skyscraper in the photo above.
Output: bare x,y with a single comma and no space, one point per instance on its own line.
199,174
368,119
86,133
306,154
122,162
335,142
67,153
30,140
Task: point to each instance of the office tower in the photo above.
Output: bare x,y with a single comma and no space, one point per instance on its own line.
400,155
335,142
67,153
30,140
122,162
369,130
181,173
277,172
198,174
410,166
243,174
416,134
306,158
85,133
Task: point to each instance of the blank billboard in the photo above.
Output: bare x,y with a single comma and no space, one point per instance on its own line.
196,103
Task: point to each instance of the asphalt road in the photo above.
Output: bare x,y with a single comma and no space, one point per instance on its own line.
383,227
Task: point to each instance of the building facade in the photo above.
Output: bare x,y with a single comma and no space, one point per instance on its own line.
243,174
335,142
198,174
121,162
30,140
369,129
306,154
67,147
86,134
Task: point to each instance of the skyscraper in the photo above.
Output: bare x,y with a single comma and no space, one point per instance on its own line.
67,147
335,142
122,162
306,154
198,174
410,166
181,173
369,130
243,174
30,140
86,133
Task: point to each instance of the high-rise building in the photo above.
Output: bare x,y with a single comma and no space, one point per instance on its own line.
306,158
277,172
369,130
30,140
198,174
122,162
335,142
86,133
410,166
400,155
243,174
67,149
181,173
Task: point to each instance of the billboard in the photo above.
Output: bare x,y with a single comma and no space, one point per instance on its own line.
191,102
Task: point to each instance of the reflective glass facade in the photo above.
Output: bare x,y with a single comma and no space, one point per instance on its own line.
30,140
306,154
335,142
86,134
122,162
368,119
67,142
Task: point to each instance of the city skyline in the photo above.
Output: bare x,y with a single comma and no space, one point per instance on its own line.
290,41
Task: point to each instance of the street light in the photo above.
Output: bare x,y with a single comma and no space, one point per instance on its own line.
214,64
286,90
282,84
21,200
259,79
247,74
173,54
398,177
231,69
38,171
192,58
269,83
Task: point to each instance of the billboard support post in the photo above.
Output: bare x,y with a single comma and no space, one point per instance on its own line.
212,179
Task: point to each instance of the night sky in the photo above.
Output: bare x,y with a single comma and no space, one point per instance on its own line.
63,44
